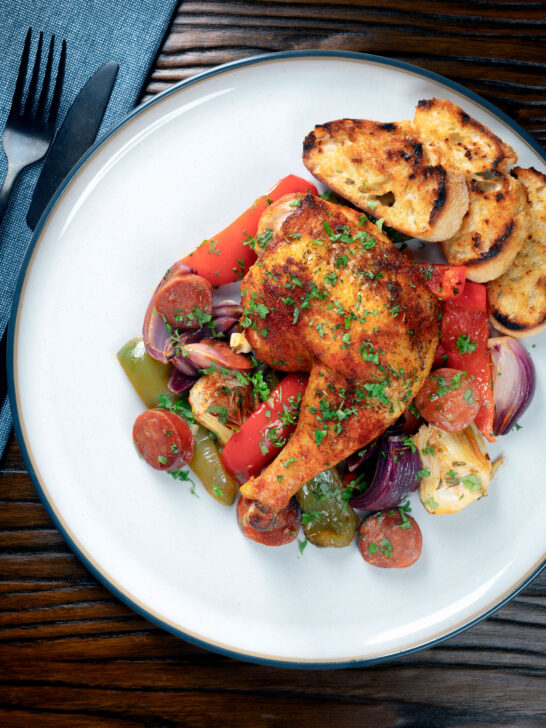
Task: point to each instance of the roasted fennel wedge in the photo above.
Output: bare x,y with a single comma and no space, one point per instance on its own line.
456,468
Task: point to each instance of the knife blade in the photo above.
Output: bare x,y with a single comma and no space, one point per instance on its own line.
77,133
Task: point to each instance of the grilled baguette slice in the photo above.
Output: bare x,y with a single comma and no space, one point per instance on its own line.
494,228
470,146
517,300
387,170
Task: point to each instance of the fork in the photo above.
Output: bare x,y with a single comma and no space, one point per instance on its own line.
30,126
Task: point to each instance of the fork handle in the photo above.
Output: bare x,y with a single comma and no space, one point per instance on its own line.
5,192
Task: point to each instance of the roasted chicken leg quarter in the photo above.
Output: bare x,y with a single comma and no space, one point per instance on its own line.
332,296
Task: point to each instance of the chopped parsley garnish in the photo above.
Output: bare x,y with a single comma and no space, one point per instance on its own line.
184,476
431,503
404,509
261,309
260,387
472,482
426,272
212,247
180,407
260,241
408,442
320,434
310,517
464,345
444,386
219,410
368,353
386,546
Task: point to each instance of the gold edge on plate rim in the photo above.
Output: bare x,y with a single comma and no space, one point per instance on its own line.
107,580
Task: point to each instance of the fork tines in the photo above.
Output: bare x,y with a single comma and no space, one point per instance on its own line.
31,107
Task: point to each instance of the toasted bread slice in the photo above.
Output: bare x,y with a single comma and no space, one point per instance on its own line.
470,146
517,300
494,228
387,170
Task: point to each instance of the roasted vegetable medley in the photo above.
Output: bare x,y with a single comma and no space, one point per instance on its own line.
216,411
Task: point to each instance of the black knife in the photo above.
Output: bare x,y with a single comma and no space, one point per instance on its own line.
77,133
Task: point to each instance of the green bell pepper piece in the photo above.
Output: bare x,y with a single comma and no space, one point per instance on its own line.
327,518
147,375
206,464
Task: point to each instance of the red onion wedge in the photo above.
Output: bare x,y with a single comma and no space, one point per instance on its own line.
179,383
227,308
513,381
360,456
208,352
223,325
155,335
395,475
182,362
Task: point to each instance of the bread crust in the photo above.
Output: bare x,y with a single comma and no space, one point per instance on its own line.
517,299
387,170
468,144
494,228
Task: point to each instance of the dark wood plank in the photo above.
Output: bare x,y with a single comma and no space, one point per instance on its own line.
494,48
73,655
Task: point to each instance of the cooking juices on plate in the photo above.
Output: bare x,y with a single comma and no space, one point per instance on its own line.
349,376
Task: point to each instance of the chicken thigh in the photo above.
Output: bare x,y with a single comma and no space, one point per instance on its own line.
332,296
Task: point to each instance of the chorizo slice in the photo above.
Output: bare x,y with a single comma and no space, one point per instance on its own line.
390,539
163,439
182,300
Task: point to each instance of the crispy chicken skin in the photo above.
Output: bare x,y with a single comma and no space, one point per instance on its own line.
332,296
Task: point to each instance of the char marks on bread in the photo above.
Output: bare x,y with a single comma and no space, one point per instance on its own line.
388,170
495,226
517,299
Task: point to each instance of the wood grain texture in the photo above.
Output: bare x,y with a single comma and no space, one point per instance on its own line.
496,49
73,655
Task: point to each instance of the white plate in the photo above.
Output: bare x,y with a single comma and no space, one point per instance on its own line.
175,172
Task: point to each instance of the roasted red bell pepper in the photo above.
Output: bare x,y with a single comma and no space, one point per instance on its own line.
465,331
445,281
226,257
266,431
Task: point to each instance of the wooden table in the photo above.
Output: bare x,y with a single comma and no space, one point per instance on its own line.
73,655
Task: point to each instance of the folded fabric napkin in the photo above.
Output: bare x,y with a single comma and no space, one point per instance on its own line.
127,31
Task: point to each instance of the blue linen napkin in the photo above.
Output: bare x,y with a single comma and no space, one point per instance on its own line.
127,31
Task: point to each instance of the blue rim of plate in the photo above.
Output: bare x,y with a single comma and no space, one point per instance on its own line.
246,657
